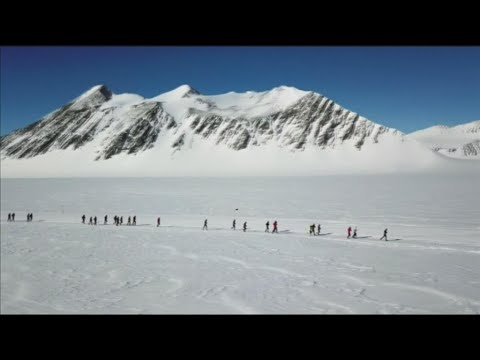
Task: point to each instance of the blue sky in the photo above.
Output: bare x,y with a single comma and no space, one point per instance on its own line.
407,88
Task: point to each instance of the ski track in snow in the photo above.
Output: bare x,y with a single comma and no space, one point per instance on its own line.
61,266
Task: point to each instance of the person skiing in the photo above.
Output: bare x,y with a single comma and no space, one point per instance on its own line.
384,235
234,223
91,221
129,222
121,220
205,227
95,220
134,219
13,217
275,229
244,226
31,216
158,221
354,233
105,220
9,217
349,231
267,225
318,229
312,229
83,219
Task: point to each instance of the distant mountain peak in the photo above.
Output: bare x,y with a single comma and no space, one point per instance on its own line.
453,141
187,90
284,87
93,97
182,91
97,89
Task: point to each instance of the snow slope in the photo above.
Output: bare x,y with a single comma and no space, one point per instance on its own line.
57,265
461,141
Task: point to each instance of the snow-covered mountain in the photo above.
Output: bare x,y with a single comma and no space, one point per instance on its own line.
283,130
461,141
130,124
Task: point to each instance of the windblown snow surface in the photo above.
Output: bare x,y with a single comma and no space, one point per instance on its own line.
431,263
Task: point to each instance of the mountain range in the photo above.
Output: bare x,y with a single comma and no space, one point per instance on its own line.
182,132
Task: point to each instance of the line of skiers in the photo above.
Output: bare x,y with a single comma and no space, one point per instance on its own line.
275,227
267,226
234,226
93,221
117,220
349,233
311,229
11,217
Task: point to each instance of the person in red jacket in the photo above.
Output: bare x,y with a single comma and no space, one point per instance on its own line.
349,230
275,229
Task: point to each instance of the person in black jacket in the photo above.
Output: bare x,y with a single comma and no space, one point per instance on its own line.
384,235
